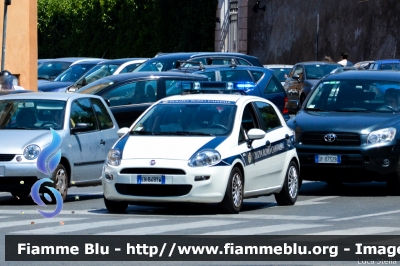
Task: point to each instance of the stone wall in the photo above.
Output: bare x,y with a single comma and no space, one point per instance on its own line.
286,31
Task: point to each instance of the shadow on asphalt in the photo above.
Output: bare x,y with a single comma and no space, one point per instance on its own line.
367,189
9,200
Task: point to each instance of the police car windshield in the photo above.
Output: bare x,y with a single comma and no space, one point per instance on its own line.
188,119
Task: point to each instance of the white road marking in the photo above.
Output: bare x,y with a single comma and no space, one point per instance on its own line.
278,217
264,229
359,231
84,226
363,216
41,220
170,227
314,201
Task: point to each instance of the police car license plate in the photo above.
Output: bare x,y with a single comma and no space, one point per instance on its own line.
327,159
151,179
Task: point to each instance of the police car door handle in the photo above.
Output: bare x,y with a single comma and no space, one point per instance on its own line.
268,144
102,142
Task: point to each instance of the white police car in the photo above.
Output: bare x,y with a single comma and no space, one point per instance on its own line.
203,148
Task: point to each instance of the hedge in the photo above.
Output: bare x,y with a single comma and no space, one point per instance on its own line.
124,28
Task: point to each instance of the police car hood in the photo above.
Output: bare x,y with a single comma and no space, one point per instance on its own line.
165,147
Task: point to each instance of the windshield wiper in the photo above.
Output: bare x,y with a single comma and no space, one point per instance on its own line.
141,133
193,133
354,110
313,109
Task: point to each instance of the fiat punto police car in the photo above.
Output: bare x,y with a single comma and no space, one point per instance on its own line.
203,148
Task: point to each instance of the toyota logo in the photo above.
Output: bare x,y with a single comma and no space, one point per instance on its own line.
330,137
152,162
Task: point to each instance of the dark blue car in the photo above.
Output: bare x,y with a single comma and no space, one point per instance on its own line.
386,64
266,86
348,129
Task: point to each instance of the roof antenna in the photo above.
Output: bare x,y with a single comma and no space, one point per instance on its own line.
108,47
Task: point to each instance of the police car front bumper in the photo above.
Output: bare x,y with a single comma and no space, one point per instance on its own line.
169,181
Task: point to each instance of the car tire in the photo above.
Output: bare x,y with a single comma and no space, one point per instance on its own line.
115,206
393,184
290,190
302,99
233,199
20,195
61,180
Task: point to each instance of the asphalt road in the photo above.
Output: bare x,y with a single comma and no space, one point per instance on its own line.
352,209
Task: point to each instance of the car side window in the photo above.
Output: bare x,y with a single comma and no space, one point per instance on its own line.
269,117
274,86
298,71
102,114
210,75
249,120
235,75
243,62
257,75
82,112
131,93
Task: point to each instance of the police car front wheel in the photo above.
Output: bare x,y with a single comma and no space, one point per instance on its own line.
115,206
233,199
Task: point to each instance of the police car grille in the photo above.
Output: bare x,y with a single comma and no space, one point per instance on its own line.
6,157
152,170
343,139
146,190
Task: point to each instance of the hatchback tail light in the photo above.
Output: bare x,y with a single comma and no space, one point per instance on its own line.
285,103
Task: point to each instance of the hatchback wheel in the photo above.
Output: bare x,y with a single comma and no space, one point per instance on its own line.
115,206
233,199
60,179
290,189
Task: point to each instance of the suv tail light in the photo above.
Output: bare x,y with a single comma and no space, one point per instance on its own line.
285,103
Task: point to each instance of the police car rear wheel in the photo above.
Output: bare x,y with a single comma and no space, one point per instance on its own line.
232,202
290,189
115,206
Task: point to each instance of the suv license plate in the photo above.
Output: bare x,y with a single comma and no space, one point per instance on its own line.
151,179
327,159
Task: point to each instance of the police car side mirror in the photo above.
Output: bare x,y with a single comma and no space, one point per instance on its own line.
253,134
256,133
122,131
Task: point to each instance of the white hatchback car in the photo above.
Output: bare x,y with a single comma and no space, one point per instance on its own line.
203,148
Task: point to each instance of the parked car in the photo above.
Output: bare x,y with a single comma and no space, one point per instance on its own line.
386,64
302,78
203,148
69,76
362,65
266,84
49,69
107,68
87,129
346,132
281,72
130,94
165,62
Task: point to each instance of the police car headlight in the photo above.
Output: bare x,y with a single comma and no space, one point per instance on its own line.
31,152
114,157
205,158
381,136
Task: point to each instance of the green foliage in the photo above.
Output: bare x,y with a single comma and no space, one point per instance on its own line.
124,28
